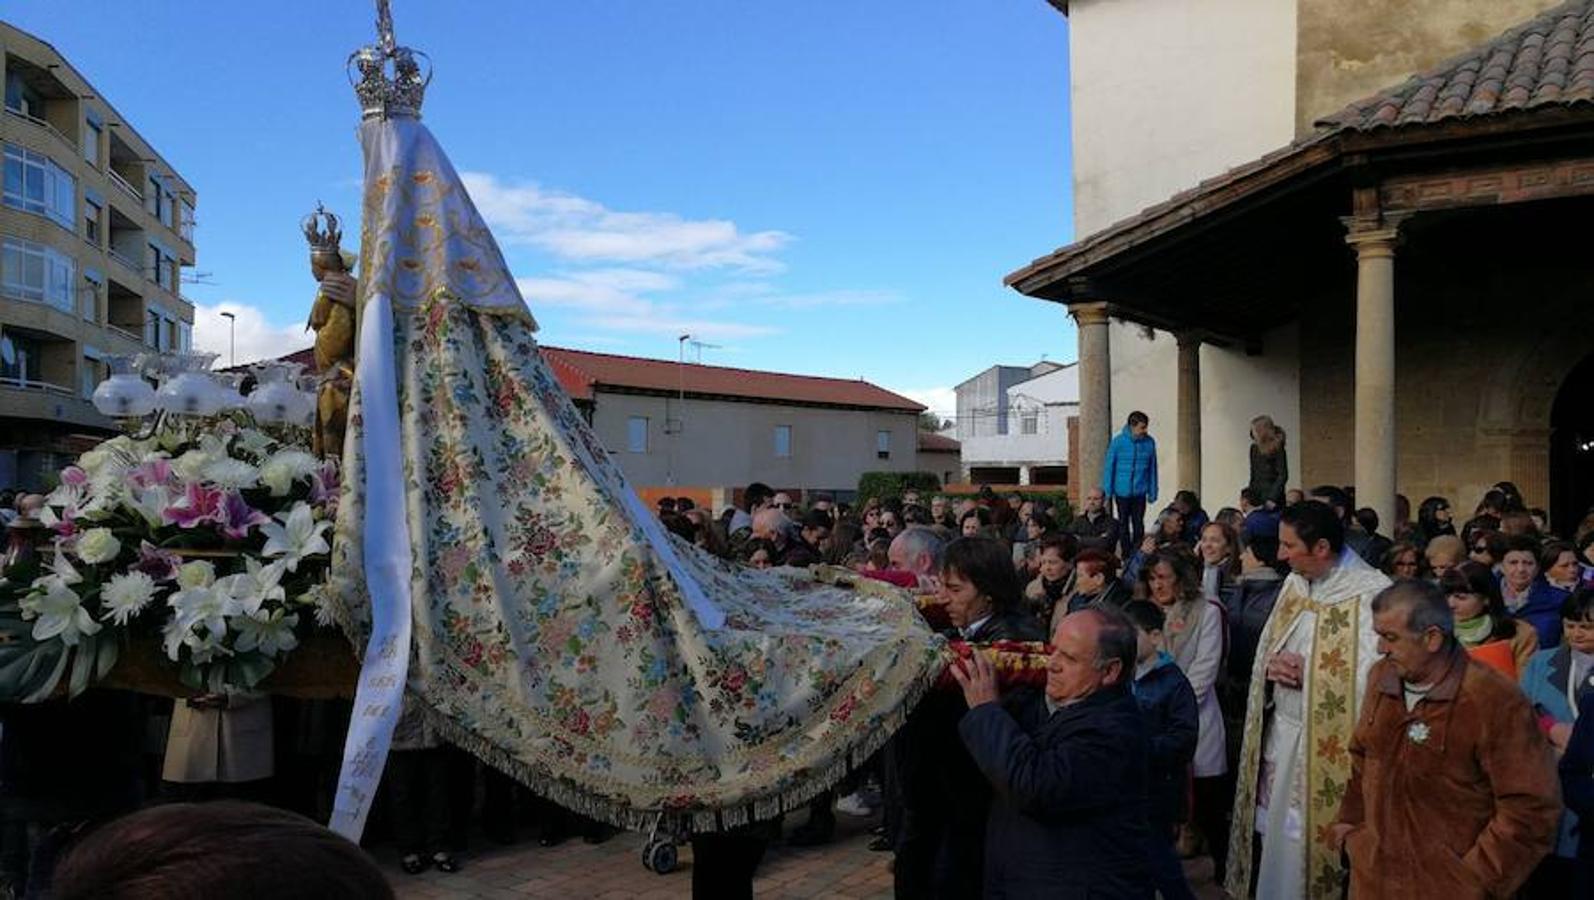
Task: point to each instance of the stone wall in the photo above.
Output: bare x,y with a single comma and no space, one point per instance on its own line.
1493,310
1350,49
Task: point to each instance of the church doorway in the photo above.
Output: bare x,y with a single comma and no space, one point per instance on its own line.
1572,449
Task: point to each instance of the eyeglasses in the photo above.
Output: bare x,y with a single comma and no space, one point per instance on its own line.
1481,548
785,506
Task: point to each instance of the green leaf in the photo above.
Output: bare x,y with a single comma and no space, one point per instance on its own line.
190,676
248,669
82,665
47,687
110,651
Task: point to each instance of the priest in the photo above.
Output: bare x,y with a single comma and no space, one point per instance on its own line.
1306,686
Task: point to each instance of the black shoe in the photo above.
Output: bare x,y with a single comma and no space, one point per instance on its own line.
552,839
881,844
445,862
414,863
878,830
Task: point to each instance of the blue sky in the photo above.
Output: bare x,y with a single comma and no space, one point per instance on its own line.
827,188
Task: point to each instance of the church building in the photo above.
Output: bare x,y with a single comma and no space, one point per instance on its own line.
1359,219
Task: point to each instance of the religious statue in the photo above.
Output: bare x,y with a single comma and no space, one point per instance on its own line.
332,317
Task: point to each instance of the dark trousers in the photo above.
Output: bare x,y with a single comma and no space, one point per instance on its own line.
1213,800
723,864
1167,869
1132,516
940,852
420,791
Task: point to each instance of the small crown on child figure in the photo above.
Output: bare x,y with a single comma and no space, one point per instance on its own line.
322,240
386,93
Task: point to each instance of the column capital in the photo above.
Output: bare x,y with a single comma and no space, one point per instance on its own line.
1188,338
1093,313
1373,238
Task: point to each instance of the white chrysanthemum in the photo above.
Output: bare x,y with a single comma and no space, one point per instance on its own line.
285,467
231,474
98,545
126,595
197,574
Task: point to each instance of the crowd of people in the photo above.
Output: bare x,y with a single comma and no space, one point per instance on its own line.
1310,697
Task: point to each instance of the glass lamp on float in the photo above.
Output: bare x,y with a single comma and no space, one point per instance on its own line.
126,396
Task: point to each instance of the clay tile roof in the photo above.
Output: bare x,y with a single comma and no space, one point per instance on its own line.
1548,60
931,442
582,373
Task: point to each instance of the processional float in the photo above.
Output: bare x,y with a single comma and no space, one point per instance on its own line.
457,541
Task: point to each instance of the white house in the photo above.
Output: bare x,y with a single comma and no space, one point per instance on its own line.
1012,423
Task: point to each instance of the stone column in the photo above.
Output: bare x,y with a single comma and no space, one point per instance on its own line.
1375,368
1095,394
1189,436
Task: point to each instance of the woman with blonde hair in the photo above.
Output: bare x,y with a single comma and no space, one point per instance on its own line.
1270,468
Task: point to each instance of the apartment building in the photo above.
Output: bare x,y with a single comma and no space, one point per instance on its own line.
95,228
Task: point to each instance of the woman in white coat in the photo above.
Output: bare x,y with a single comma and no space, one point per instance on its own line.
219,745
1194,634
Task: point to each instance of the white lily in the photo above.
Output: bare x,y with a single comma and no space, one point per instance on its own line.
59,612
269,632
151,503
126,595
298,536
203,607
203,648
251,589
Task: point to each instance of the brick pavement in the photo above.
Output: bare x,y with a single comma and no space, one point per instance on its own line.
844,869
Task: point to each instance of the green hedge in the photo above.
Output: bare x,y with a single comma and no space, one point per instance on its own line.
892,484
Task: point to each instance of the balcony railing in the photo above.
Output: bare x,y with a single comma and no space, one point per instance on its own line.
28,384
125,185
42,124
130,264
121,331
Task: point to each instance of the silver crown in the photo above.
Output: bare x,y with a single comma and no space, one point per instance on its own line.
322,240
390,81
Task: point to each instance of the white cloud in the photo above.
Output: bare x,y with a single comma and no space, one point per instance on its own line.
257,337
575,228
943,401
614,300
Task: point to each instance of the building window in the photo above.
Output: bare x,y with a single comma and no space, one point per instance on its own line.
91,222
185,337
152,196
91,143
90,373
882,444
89,297
783,441
636,434
22,98
35,184
30,271
185,221
19,358
1029,422
161,267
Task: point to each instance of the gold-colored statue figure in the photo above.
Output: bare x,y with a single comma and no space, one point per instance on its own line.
332,317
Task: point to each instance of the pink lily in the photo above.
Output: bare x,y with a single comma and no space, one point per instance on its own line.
236,516
74,476
198,505
154,473
158,564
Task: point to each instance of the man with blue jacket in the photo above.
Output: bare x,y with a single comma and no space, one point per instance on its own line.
1129,477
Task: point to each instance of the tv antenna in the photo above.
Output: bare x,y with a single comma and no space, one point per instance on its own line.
698,347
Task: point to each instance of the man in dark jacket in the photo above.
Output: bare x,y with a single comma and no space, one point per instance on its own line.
940,845
1095,527
1068,768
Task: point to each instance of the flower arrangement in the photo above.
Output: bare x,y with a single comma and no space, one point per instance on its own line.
209,535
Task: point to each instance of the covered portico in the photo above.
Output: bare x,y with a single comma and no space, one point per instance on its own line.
1429,243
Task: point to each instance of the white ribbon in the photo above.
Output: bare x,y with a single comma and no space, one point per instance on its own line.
386,542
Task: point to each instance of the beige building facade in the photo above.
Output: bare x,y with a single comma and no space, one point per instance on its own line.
96,228
1185,113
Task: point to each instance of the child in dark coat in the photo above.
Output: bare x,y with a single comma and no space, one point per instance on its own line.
1169,706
